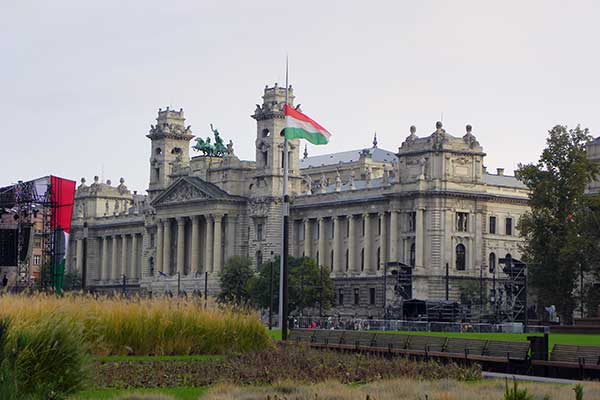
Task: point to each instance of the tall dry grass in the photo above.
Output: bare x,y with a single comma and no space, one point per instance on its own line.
117,326
397,389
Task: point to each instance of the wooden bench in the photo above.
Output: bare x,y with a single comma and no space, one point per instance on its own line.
320,338
357,340
464,347
571,356
302,335
334,339
426,343
499,351
388,342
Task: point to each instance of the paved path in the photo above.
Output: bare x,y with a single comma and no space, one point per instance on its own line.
528,378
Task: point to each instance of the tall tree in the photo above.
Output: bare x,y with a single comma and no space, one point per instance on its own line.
235,281
309,286
554,228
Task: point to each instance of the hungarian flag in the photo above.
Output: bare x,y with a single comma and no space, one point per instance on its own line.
300,126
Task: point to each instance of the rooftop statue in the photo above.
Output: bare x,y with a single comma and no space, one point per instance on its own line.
218,149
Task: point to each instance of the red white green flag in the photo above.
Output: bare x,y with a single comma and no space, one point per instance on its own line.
300,126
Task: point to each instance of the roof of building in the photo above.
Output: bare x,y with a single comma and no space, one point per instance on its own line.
377,155
503,180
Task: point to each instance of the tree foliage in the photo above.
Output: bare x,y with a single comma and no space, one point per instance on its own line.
235,279
556,245
308,285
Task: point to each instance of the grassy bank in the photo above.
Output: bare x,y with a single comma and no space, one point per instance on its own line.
115,326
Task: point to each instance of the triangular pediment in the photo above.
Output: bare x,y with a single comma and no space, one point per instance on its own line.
182,191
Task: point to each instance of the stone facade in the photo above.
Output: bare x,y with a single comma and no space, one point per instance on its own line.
429,204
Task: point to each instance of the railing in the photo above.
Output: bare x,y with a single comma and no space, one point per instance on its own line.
411,326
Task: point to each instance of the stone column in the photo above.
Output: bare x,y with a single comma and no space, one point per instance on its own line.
230,241
367,244
218,253
394,235
307,237
383,238
166,267
181,246
353,266
158,262
194,256
419,239
337,245
79,255
114,260
123,256
104,271
322,241
133,270
209,244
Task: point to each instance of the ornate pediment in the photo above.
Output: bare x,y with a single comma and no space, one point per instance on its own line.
183,193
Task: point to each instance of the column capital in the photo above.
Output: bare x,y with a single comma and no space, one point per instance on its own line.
366,215
180,220
349,216
218,217
336,217
381,213
320,219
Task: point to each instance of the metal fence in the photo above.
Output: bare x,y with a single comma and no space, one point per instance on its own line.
412,326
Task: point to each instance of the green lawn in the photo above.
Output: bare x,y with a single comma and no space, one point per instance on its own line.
555,338
157,358
182,393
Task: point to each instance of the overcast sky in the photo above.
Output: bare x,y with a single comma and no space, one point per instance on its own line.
81,81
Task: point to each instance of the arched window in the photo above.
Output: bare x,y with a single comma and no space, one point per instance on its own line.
259,258
378,258
265,133
412,257
461,261
508,260
492,263
151,266
362,260
158,151
347,259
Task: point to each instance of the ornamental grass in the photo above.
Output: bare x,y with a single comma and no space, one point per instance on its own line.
163,326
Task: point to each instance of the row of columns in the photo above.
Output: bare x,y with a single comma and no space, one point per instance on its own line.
213,247
115,264
388,244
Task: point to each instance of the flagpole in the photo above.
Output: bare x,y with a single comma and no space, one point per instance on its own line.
283,271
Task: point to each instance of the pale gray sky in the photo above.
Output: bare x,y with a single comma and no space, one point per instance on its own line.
81,81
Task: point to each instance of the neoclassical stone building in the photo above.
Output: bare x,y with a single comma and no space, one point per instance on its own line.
428,204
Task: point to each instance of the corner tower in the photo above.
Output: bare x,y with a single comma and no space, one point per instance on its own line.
170,140
268,180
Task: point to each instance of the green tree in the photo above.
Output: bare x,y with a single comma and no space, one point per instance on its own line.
235,279
308,285
554,228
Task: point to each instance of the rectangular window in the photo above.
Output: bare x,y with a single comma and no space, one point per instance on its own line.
356,296
493,225
348,227
462,222
341,297
363,227
37,260
259,231
379,227
412,221
509,226
371,296
301,232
